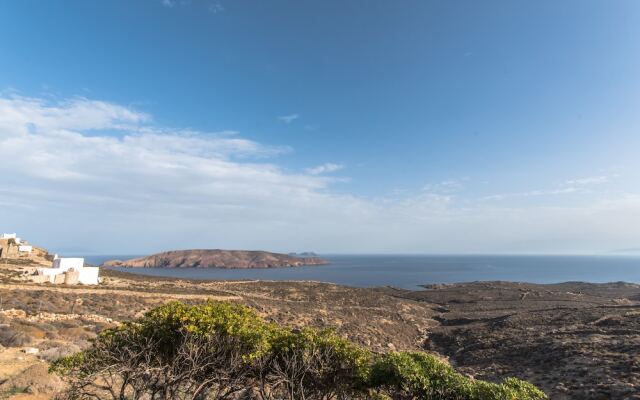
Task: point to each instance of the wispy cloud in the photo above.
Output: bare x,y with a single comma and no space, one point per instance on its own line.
571,186
95,173
324,169
215,8
592,180
446,186
287,119
531,193
56,151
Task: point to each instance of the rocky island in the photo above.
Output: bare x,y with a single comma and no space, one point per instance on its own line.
217,259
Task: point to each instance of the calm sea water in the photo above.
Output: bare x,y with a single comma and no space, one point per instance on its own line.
410,271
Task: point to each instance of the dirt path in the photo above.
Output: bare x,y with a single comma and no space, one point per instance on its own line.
116,291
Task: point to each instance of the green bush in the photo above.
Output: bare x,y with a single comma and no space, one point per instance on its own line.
220,350
311,363
175,351
417,375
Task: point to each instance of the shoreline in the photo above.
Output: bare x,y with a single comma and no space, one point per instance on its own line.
174,274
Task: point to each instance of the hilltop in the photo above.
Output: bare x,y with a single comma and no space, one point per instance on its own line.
216,259
18,251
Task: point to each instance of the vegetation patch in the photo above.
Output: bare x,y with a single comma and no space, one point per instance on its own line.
220,350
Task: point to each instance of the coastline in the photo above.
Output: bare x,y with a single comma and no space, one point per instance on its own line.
488,330
413,271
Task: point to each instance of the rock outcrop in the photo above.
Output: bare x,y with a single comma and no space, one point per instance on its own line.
21,252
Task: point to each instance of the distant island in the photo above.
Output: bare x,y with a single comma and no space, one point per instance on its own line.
304,254
217,259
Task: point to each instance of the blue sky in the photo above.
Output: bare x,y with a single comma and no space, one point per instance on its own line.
363,126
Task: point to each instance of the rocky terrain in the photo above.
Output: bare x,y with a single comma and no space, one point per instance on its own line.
217,259
573,340
9,250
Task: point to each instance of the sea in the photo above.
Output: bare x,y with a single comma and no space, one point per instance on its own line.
412,271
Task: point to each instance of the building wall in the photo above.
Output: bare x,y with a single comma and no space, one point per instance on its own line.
85,275
25,249
49,271
71,277
68,263
89,275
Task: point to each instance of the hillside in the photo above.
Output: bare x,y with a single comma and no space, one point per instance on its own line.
216,259
17,251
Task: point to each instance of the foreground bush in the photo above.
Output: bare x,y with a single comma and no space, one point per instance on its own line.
416,375
224,351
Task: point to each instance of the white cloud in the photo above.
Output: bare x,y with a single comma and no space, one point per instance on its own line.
87,174
592,180
59,163
324,169
19,115
168,3
571,186
287,119
446,186
532,193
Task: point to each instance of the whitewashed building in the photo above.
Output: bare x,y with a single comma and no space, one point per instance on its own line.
66,263
8,236
70,271
25,249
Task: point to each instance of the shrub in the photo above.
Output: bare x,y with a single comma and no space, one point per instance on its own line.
54,353
220,350
12,337
315,364
174,351
416,375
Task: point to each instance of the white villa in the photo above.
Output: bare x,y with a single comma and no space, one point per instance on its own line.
70,271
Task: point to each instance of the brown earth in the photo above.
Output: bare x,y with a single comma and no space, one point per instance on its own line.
217,259
9,252
574,340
